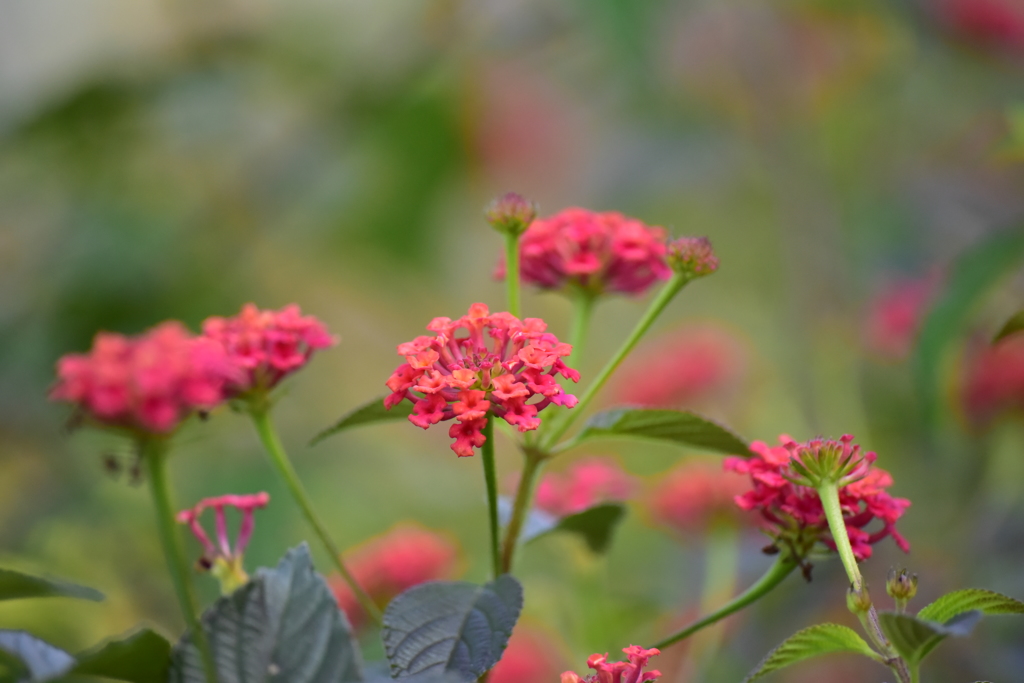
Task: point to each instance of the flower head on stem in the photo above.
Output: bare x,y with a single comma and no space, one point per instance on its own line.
692,256
511,213
224,559
629,671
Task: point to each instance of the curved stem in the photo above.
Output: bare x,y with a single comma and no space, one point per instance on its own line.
829,495
279,458
524,496
491,480
512,272
582,309
780,569
154,454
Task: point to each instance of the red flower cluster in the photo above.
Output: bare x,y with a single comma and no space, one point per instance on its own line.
529,658
148,383
223,549
991,23
792,513
469,377
994,380
267,345
631,671
596,252
895,317
587,483
694,496
404,557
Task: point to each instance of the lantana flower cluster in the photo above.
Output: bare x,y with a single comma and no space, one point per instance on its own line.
694,497
629,671
792,513
586,483
497,367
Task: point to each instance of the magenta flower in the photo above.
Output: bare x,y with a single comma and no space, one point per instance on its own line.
223,558
587,483
631,671
594,252
791,511
496,368
149,383
266,345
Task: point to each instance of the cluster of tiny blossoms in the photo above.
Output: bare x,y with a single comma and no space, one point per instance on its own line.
587,483
792,513
695,496
630,671
496,368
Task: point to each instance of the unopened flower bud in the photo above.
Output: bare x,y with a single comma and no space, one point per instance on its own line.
858,601
692,256
901,587
511,213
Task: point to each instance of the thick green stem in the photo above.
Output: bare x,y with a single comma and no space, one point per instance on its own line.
512,272
582,308
279,458
780,569
664,297
491,480
154,454
915,674
520,508
829,494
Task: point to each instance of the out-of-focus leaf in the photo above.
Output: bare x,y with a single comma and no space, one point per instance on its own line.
536,524
956,603
913,638
676,426
595,525
368,413
1012,326
14,585
34,660
141,657
451,626
284,626
811,642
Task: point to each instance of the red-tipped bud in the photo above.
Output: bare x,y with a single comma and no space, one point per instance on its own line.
692,256
511,213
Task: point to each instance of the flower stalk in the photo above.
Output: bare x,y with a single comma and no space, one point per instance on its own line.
582,310
534,460
512,279
491,482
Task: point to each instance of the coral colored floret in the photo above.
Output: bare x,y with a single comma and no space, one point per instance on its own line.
630,671
479,365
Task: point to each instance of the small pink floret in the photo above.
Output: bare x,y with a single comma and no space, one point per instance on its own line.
246,505
630,671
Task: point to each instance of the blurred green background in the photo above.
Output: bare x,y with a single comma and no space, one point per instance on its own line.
176,159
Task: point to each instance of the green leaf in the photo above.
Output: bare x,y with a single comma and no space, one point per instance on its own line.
368,413
817,640
914,638
14,585
141,657
958,602
452,626
33,660
676,426
537,522
284,626
596,525
1012,326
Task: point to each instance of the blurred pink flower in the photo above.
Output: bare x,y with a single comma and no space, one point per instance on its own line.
993,381
267,345
462,378
895,317
224,549
631,671
586,483
989,23
591,251
401,558
529,658
148,383
694,496
693,256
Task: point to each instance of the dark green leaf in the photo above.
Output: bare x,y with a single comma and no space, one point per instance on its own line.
596,525
958,602
451,626
34,660
812,642
675,426
1012,326
368,413
141,657
914,638
284,626
14,585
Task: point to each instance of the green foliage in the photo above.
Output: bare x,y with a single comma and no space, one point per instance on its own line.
141,657
31,660
812,642
452,626
913,638
15,585
676,426
1011,326
368,413
956,603
596,525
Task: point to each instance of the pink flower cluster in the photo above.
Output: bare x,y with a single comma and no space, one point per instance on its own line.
267,345
792,514
997,24
694,496
404,557
595,252
531,657
994,380
895,317
587,483
148,383
631,671
496,368
223,549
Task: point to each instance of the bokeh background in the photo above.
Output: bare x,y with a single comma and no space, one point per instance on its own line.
857,165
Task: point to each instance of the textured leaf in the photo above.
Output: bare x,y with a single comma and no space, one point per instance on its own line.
958,602
14,585
141,657
35,660
1012,326
812,642
452,626
914,638
676,426
284,626
368,413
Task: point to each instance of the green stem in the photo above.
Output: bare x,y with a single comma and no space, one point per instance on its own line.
491,479
520,508
582,308
780,569
512,272
915,674
829,494
154,453
667,293
279,458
